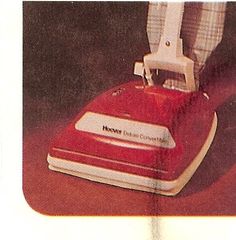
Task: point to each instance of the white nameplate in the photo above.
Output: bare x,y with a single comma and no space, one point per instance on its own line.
125,129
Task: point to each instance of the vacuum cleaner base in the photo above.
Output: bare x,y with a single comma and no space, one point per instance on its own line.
132,181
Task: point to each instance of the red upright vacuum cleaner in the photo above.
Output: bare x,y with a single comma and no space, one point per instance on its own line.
142,135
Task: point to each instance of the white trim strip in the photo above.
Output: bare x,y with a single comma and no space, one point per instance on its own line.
109,160
106,174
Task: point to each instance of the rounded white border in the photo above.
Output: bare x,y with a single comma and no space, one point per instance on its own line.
18,220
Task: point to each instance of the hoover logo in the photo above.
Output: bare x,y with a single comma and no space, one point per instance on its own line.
125,129
113,130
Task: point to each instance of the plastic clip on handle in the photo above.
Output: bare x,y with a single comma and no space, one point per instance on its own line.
169,55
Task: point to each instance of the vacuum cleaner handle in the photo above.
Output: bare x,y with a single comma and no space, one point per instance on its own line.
170,45
169,55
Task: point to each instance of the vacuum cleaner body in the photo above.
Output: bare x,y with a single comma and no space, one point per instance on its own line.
141,137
